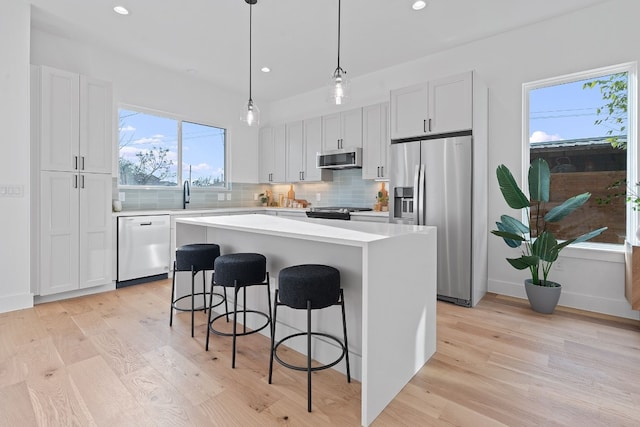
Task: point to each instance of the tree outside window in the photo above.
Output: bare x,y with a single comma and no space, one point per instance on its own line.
152,147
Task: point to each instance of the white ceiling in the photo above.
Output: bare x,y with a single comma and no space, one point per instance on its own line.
296,38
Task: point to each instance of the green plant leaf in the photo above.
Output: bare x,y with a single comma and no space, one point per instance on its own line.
512,194
586,236
512,240
513,225
539,179
568,206
525,261
546,247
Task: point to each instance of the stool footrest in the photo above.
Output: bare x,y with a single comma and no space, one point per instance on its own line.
230,313
203,308
304,368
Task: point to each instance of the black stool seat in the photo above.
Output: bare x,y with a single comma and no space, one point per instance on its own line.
243,268
239,271
309,287
319,284
197,257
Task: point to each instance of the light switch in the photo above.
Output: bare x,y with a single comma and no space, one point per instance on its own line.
220,196
228,196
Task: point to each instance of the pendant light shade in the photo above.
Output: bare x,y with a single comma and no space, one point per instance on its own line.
339,85
250,112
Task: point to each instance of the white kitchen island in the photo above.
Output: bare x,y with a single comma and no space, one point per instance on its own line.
388,273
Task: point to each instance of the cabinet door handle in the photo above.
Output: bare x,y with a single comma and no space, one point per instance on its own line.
82,162
75,181
424,126
381,171
81,181
378,173
75,162
429,125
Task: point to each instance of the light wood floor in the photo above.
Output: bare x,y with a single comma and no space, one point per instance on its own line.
112,359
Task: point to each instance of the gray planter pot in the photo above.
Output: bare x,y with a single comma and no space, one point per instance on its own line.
543,299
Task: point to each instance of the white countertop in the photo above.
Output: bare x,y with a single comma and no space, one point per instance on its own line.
205,211
322,230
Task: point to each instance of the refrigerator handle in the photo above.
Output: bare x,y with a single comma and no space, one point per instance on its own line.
416,198
422,187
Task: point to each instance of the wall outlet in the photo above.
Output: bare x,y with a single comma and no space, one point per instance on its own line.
255,196
318,197
220,196
121,196
228,196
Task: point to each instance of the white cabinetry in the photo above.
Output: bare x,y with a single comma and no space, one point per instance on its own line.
295,151
375,141
342,130
304,141
435,107
272,154
71,136
75,231
75,122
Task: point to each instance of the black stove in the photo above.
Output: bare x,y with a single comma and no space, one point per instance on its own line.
334,212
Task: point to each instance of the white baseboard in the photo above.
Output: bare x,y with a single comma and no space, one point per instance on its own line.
16,302
40,299
596,304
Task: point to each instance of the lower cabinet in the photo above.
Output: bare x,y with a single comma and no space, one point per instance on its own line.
75,232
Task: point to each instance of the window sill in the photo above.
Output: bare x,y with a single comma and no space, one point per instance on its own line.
595,252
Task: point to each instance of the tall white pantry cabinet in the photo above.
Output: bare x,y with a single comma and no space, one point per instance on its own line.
72,128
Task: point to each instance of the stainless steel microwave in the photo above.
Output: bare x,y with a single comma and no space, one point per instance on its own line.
347,158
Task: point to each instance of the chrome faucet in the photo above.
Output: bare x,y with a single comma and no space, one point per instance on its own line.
186,194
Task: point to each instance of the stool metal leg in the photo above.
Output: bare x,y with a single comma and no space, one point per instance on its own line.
173,294
204,291
309,355
344,327
235,323
193,298
273,333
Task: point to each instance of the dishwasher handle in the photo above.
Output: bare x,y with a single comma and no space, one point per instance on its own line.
145,223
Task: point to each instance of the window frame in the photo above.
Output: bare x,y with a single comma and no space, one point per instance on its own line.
180,179
633,162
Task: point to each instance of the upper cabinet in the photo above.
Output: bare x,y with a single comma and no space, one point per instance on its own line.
342,130
313,146
375,141
288,153
272,151
76,124
435,107
295,151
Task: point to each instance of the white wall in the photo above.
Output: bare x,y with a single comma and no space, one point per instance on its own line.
139,84
14,161
602,35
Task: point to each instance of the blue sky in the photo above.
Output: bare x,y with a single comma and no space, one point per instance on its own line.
202,146
565,111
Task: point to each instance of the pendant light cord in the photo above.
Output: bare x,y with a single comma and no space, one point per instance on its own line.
339,35
250,20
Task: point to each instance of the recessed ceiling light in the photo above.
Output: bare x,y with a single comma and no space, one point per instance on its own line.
121,10
420,4
265,69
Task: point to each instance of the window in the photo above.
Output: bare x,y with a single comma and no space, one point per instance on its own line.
152,147
580,125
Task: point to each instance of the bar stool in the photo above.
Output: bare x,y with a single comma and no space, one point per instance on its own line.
309,287
240,271
197,257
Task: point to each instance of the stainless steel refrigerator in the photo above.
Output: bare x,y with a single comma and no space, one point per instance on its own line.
431,184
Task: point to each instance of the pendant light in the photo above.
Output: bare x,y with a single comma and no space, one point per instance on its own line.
339,83
250,112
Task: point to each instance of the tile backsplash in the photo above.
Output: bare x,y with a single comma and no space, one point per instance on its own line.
347,189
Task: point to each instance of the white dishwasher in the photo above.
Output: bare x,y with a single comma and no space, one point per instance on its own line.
143,248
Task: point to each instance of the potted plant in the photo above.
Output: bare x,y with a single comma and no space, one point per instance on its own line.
539,246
